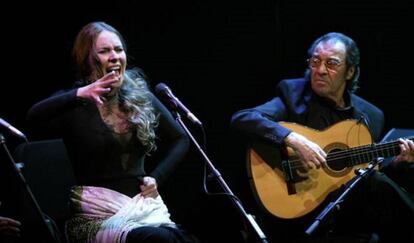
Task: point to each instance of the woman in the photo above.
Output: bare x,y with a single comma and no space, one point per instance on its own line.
110,122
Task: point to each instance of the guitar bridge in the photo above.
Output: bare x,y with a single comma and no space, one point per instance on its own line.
288,174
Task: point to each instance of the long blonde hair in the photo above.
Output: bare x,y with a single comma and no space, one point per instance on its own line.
134,97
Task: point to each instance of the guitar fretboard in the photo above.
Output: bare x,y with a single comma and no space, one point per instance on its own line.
363,154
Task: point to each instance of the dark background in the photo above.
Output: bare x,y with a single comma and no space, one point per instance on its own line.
217,57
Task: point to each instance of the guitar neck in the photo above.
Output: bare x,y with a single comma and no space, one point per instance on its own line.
362,154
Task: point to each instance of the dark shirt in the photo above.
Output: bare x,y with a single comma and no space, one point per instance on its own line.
97,156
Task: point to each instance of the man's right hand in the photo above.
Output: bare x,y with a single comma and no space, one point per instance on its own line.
310,154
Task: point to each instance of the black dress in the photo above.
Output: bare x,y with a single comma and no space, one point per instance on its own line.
103,158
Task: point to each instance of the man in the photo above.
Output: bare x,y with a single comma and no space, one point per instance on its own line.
324,97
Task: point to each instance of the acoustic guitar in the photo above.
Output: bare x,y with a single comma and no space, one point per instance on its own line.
286,190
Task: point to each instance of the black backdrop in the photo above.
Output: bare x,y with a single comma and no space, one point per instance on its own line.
217,57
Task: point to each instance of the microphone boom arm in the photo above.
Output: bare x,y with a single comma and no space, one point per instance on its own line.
248,217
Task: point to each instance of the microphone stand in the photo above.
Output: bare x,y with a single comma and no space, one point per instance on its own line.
248,217
360,174
22,180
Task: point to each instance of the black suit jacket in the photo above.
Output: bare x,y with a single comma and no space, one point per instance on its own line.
292,104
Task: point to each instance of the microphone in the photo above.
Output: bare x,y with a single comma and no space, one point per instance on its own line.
164,91
12,129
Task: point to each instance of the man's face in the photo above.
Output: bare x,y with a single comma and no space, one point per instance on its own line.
329,72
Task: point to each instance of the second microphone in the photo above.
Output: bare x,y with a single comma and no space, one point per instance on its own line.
163,91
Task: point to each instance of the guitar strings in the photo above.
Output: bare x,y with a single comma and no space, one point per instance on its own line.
352,153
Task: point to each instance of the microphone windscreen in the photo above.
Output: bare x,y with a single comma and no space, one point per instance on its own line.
161,88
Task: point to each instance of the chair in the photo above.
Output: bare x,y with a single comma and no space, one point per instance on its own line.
50,176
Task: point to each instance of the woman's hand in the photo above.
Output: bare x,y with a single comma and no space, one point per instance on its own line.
149,187
9,226
97,89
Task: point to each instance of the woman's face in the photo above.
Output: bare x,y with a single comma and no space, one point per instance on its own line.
111,55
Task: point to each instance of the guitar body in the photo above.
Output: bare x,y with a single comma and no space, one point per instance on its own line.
268,179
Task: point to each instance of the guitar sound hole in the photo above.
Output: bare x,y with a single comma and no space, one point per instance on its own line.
335,161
